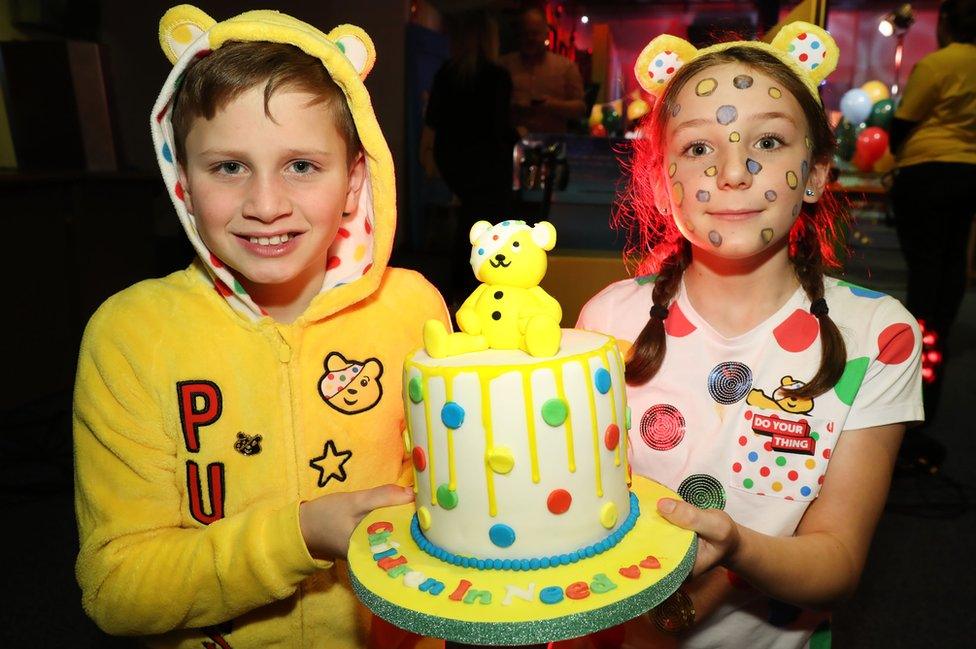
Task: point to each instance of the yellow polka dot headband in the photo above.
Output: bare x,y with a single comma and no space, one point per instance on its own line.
809,51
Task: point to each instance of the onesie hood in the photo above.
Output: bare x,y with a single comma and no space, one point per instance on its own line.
361,250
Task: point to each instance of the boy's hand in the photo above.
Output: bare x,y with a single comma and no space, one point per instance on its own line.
718,534
328,521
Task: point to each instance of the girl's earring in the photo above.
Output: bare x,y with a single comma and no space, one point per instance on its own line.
810,193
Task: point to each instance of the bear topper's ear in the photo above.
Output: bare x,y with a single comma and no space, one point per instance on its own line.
810,47
544,235
357,46
180,27
660,59
477,230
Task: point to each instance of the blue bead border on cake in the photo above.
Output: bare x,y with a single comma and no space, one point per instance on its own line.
527,564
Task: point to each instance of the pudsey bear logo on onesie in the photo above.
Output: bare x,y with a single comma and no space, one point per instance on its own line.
351,386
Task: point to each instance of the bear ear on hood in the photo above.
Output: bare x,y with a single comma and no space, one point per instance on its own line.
357,46
180,27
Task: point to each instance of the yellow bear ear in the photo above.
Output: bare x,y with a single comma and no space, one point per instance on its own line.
357,46
477,230
544,235
180,27
660,59
810,47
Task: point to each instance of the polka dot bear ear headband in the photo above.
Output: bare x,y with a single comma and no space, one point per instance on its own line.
809,51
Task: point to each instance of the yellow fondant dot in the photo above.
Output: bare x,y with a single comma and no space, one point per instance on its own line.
182,34
711,171
406,441
672,169
360,251
608,515
734,136
791,179
777,486
423,517
500,459
810,464
679,193
775,93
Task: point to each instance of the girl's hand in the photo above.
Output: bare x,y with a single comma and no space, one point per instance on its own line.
328,521
718,534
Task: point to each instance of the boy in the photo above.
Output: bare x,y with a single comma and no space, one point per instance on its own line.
233,421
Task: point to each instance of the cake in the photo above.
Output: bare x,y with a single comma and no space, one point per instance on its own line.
519,462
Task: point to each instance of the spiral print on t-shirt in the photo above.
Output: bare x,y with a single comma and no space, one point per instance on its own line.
702,491
662,427
729,382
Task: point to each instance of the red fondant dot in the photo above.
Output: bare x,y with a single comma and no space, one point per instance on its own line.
342,232
215,261
419,458
788,498
494,237
743,441
803,57
366,270
764,472
559,501
802,36
677,324
895,343
797,332
793,475
222,288
162,113
330,376
670,70
368,226
178,190
650,74
668,52
736,467
612,436
826,453
332,263
820,480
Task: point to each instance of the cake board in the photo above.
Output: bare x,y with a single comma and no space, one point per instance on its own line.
425,595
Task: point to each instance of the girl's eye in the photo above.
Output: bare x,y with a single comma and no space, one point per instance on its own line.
230,168
697,149
302,166
769,143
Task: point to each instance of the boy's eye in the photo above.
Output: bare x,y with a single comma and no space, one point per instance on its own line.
230,168
302,166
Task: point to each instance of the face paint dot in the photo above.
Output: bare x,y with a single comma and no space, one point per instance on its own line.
671,169
726,114
742,81
706,87
770,195
767,235
791,179
711,171
675,110
753,166
689,226
734,136
678,194
804,170
775,93
703,196
715,238
796,210
808,142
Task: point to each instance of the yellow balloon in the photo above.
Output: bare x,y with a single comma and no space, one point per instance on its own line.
885,163
637,109
596,115
876,91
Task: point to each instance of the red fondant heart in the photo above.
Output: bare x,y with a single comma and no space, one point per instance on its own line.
631,572
650,562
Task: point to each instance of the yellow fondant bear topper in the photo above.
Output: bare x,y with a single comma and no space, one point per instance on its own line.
509,310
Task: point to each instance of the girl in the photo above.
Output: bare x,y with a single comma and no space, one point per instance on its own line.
770,397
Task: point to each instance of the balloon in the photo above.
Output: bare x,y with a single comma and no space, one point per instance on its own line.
637,109
846,139
599,130
885,163
881,114
871,145
876,91
859,162
856,105
596,115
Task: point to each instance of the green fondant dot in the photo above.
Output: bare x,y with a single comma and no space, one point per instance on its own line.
554,412
342,48
781,461
747,483
627,418
446,497
815,435
415,390
850,382
238,288
342,378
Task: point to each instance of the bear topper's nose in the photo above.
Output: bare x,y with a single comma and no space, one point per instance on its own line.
500,257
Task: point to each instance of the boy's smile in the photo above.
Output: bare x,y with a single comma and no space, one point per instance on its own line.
268,192
739,160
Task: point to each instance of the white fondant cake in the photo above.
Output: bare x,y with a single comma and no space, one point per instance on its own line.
518,458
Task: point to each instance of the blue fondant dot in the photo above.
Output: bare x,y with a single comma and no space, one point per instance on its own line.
815,45
481,564
551,595
505,223
659,63
481,251
497,564
516,565
753,456
544,563
534,564
602,380
574,557
590,552
526,564
507,564
814,66
167,154
804,491
501,535
452,415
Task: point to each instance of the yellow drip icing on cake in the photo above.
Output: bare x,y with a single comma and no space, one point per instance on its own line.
532,468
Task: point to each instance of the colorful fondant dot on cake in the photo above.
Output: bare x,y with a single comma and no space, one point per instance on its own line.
608,515
501,535
627,418
419,458
559,501
423,517
452,414
415,390
554,412
500,459
602,380
446,497
612,437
